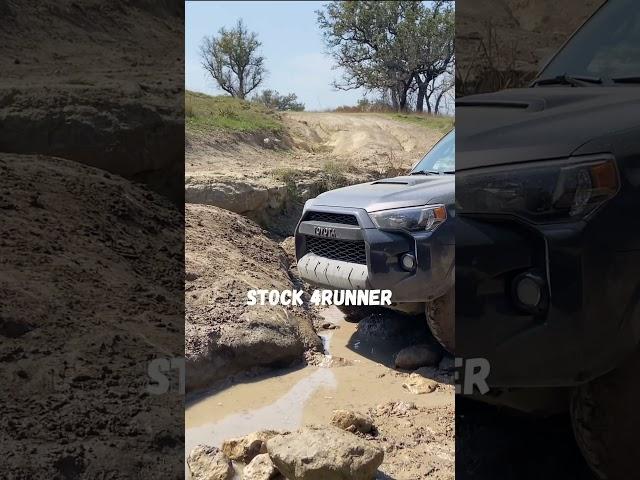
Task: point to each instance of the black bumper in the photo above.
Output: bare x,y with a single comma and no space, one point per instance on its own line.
434,252
588,318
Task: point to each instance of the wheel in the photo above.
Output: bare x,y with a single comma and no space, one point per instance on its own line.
441,317
605,414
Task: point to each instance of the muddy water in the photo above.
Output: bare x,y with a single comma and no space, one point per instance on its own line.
356,374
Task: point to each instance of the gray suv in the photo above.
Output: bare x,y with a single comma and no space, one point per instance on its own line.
393,234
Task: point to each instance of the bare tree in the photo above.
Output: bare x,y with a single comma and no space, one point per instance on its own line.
232,60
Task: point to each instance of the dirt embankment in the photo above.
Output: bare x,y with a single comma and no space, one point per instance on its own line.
226,256
91,292
267,177
92,263
82,81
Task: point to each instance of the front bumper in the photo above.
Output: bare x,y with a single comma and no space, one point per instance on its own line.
591,307
434,253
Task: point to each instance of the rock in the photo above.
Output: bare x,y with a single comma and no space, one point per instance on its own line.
398,409
289,246
324,453
375,325
331,361
244,449
328,326
352,421
209,463
417,384
417,356
260,468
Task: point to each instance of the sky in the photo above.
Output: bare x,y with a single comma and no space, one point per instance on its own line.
294,52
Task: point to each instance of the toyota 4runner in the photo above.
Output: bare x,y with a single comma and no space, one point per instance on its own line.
393,234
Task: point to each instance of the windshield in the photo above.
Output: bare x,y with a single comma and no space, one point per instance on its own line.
441,158
607,46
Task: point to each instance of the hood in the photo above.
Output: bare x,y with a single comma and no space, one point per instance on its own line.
528,124
397,192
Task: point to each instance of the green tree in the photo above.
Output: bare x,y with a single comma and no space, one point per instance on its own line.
362,38
272,99
388,46
232,60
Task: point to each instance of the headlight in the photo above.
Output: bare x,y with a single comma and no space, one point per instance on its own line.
425,218
544,192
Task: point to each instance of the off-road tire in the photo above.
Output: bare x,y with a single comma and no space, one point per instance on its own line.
605,414
441,317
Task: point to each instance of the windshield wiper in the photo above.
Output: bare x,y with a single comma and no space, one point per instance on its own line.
425,172
629,79
573,80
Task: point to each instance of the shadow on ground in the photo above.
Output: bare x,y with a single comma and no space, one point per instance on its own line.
498,444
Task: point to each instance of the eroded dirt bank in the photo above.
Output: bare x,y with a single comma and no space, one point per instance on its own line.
82,81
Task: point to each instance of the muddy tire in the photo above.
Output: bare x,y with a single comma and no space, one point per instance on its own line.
606,421
441,319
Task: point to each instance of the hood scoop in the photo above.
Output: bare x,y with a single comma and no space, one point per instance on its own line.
390,182
534,105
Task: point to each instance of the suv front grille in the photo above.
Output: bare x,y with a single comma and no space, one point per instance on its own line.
342,218
352,251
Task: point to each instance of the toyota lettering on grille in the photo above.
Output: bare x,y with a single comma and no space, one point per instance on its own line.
325,232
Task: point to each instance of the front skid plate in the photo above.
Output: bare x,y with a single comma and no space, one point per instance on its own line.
333,273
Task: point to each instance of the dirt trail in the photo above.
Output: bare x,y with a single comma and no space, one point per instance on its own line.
359,135
416,431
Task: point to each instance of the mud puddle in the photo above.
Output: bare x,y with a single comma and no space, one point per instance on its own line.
354,374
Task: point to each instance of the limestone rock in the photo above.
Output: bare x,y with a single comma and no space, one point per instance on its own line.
260,468
324,453
417,384
209,463
244,449
352,421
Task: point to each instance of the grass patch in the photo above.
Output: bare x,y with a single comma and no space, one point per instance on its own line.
204,112
332,175
439,123
288,176
392,167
